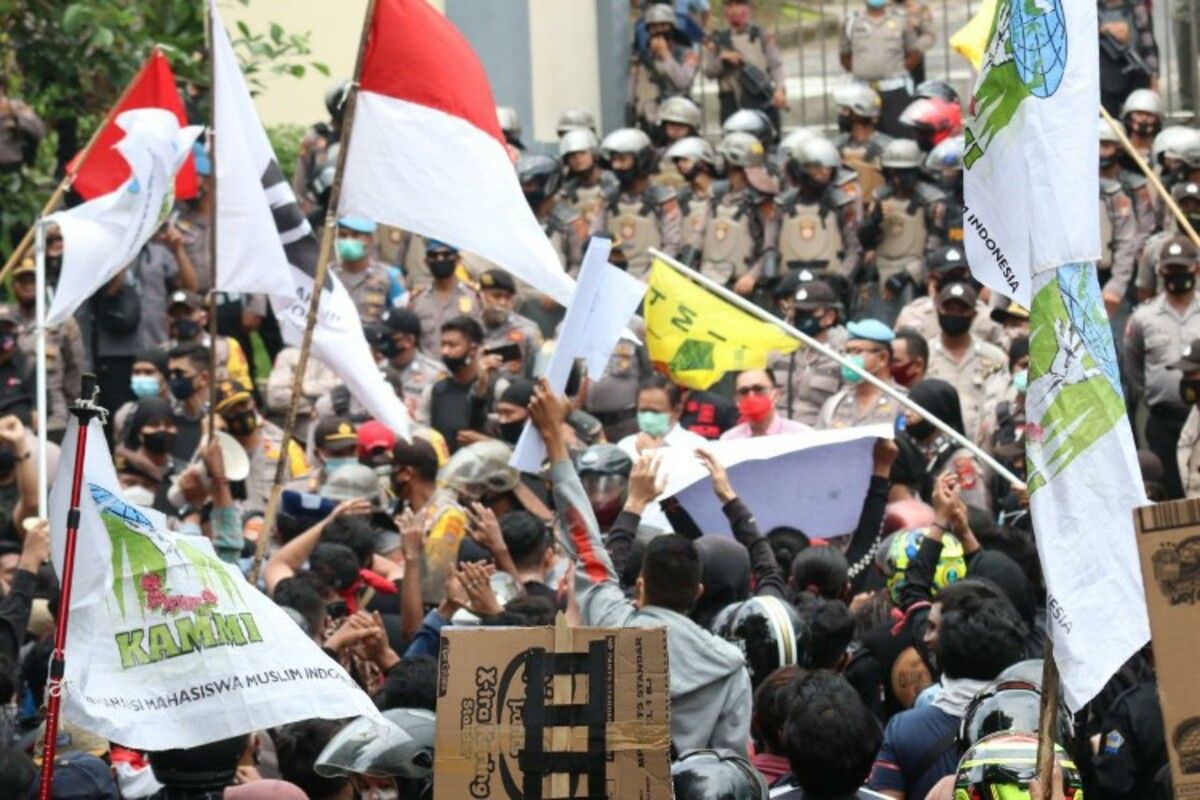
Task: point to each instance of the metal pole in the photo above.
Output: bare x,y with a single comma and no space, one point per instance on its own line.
888,389
212,226
84,410
327,236
39,333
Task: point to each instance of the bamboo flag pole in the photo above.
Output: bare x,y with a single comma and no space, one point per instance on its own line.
888,389
67,180
323,256
1047,722
212,225
1152,176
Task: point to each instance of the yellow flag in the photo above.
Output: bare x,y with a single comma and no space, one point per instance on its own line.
697,336
971,39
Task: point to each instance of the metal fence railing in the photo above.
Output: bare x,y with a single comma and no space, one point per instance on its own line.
808,33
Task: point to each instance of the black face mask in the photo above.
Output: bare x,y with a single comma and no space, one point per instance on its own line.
1107,162
1189,391
455,363
511,431
1179,282
242,424
692,173
807,324
1194,219
902,180
182,386
387,348
626,176
535,198
921,430
158,441
810,185
186,329
53,268
954,325
844,123
441,268
1144,129
8,461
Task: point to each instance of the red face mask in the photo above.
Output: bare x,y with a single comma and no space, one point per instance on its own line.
755,407
904,374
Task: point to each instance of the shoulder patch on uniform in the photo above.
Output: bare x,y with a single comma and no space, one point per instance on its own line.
1113,743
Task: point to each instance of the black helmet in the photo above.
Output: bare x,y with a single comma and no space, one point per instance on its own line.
540,176
769,631
936,89
604,472
1010,705
716,775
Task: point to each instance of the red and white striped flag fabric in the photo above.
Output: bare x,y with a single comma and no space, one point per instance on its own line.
426,151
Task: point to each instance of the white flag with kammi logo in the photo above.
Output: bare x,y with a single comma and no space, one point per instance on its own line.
168,646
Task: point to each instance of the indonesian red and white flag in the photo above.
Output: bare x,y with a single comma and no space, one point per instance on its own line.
427,153
105,170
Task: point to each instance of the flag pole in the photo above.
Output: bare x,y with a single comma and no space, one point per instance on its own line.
212,225
67,180
84,410
1151,176
39,333
1047,719
889,390
323,256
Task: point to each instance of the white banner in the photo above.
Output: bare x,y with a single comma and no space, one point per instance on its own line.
1032,184
102,236
167,645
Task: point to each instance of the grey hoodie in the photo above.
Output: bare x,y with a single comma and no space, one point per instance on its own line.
710,687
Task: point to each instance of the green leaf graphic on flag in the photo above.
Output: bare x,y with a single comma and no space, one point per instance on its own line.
1074,397
693,355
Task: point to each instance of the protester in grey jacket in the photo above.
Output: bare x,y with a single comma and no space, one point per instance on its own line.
709,685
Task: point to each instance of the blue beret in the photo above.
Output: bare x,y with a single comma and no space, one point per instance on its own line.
202,161
872,330
434,244
357,224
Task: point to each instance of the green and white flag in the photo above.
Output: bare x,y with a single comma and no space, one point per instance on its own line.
1032,186
168,646
1032,230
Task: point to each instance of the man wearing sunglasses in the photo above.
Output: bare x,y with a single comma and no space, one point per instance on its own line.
861,403
756,394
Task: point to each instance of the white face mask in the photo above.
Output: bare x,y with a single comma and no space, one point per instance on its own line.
138,495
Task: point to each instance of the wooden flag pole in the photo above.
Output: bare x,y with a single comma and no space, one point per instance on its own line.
212,226
1152,176
1047,722
323,256
67,180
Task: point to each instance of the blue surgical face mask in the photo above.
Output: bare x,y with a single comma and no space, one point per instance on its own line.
332,465
876,3
351,249
1020,380
849,375
144,386
654,423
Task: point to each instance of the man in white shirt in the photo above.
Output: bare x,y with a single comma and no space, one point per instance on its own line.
659,404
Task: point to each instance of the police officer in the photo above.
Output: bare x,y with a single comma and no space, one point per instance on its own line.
315,147
1137,188
746,64
1119,240
262,441
1187,195
640,215
64,349
920,19
1154,339
575,118
895,228
187,323
869,345
541,178
1142,112
501,325
976,369
944,165
400,343
947,265
1133,746
808,379
753,121
678,119
859,141
1128,52
586,185
510,126
664,66
366,280
447,297
879,47
695,160
818,226
741,236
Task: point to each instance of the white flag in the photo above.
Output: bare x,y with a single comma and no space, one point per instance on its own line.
103,235
1032,187
266,245
167,645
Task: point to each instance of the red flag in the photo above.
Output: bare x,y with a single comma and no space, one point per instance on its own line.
105,170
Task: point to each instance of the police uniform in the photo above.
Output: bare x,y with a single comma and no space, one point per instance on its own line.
693,210
1119,238
945,223
822,234
649,220
876,46
1187,454
981,378
1133,746
667,174
1155,337
653,79
864,159
64,363
517,330
368,288
568,232
591,200
922,316
920,19
736,236
263,459
1145,204
318,379
757,49
433,310
841,410
807,378
897,228
193,228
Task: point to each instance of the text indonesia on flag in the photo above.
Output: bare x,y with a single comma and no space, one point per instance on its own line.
105,170
427,153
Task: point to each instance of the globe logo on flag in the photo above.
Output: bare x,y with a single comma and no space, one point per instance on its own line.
1038,32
